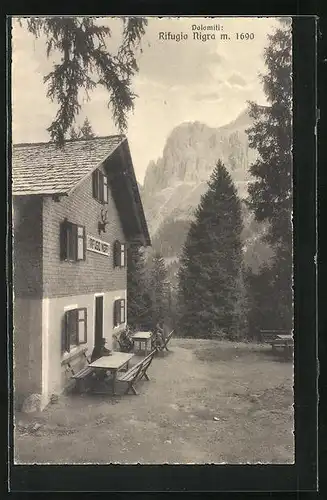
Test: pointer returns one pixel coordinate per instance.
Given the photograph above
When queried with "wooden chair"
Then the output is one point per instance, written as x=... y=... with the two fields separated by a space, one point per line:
x=122 y=347
x=164 y=347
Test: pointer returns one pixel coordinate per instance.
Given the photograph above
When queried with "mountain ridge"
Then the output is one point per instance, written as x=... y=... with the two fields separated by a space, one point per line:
x=174 y=183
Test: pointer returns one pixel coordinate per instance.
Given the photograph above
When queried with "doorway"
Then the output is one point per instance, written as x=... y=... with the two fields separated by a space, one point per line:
x=98 y=326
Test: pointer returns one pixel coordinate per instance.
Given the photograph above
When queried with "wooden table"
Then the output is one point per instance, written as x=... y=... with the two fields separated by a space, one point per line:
x=142 y=337
x=113 y=363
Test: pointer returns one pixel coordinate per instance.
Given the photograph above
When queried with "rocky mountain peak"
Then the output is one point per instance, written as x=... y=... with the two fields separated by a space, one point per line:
x=192 y=150
x=173 y=185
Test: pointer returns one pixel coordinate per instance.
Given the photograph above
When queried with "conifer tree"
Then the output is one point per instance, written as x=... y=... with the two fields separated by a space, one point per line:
x=158 y=276
x=83 y=132
x=211 y=262
x=86 y=131
x=86 y=63
x=139 y=308
x=270 y=194
x=73 y=134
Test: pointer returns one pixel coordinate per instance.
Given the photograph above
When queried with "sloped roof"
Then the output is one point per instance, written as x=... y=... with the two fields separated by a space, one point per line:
x=43 y=168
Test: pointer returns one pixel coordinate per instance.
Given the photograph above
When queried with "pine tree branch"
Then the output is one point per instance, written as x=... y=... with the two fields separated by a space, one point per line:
x=82 y=45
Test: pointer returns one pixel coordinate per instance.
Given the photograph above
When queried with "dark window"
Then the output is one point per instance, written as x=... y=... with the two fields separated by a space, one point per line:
x=119 y=312
x=119 y=254
x=74 y=328
x=100 y=186
x=72 y=241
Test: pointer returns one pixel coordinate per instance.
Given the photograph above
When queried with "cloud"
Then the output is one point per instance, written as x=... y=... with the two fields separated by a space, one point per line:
x=181 y=81
x=215 y=58
x=171 y=63
x=237 y=80
x=207 y=96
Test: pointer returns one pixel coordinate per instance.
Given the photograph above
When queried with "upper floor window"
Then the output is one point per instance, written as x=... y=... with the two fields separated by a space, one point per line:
x=100 y=186
x=119 y=254
x=74 y=330
x=72 y=241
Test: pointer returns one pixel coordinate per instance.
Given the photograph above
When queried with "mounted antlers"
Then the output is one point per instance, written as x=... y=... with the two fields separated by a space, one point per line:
x=104 y=221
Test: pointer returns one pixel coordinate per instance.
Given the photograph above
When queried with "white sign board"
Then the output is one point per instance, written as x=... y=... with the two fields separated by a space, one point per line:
x=96 y=245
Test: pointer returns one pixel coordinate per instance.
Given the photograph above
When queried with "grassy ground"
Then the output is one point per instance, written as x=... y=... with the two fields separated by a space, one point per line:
x=206 y=402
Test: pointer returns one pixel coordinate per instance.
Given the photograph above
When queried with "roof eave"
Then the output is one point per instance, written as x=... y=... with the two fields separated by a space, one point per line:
x=97 y=165
x=40 y=193
x=143 y=222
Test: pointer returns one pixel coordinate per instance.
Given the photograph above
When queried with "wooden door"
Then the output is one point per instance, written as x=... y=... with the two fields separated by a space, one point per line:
x=98 y=327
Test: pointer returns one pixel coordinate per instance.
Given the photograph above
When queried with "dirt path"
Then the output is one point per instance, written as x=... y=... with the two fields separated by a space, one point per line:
x=206 y=402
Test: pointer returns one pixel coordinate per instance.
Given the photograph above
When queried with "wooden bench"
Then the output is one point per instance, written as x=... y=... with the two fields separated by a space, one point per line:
x=286 y=345
x=268 y=336
x=136 y=372
x=278 y=339
x=81 y=375
x=166 y=341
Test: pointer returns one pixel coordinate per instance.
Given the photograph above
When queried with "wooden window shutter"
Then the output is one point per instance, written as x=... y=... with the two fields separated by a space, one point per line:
x=105 y=189
x=115 y=313
x=65 y=344
x=101 y=189
x=84 y=247
x=63 y=241
x=122 y=311
x=82 y=325
x=74 y=241
x=123 y=255
x=81 y=243
x=116 y=254
x=73 y=327
x=95 y=184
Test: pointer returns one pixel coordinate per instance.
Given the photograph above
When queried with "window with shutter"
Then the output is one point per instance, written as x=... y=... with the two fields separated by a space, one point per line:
x=100 y=186
x=119 y=254
x=72 y=241
x=74 y=330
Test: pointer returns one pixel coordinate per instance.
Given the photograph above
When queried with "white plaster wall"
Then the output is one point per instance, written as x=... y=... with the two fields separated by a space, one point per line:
x=56 y=307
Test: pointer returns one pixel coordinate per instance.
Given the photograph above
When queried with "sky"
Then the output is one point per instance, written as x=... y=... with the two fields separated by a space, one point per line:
x=178 y=81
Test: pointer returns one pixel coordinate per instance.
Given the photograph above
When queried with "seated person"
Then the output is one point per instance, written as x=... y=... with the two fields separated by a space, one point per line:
x=99 y=351
x=158 y=339
x=125 y=341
